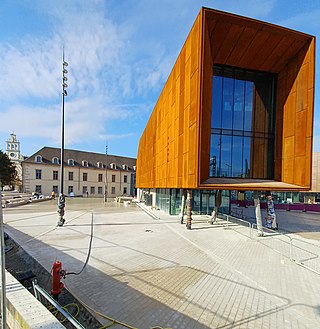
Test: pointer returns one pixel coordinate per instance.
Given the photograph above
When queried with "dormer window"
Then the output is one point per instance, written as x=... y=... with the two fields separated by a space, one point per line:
x=99 y=164
x=70 y=162
x=113 y=166
x=124 y=167
x=38 y=159
x=85 y=163
x=55 y=160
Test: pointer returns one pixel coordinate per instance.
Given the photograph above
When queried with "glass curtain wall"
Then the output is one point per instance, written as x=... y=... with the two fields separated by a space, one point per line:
x=169 y=200
x=242 y=123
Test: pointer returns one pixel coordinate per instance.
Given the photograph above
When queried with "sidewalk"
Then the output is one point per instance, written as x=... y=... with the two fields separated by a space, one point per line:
x=147 y=272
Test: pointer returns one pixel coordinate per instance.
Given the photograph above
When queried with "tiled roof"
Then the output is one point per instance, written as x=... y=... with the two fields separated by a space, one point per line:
x=48 y=153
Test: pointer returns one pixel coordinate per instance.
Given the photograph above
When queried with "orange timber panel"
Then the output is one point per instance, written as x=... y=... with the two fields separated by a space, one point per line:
x=298 y=117
x=250 y=55
x=244 y=40
x=277 y=53
x=179 y=100
x=229 y=43
x=206 y=105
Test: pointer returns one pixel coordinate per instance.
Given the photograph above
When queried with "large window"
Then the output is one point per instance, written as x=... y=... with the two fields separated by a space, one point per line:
x=70 y=175
x=38 y=173
x=242 y=124
x=55 y=175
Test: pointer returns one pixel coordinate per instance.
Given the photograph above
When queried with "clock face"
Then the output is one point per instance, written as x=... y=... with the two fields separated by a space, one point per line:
x=12 y=155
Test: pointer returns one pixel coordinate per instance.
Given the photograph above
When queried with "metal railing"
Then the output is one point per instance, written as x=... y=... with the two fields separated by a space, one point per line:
x=39 y=292
x=145 y=209
x=300 y=251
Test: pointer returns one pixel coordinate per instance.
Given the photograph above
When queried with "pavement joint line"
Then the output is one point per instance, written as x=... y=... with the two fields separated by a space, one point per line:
x=26 y=218
x=53 y=229
x=216 y=258
x=233 y=270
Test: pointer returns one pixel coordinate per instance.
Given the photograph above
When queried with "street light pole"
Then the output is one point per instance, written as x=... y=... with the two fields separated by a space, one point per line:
x=3 y=269
x=106 y=178
x=61 y=199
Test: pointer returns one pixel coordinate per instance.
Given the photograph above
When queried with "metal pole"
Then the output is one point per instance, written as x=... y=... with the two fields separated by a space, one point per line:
x=61 y=199
x=258 y=213
x=3 y=270
x=106 y=179
x=183 y=205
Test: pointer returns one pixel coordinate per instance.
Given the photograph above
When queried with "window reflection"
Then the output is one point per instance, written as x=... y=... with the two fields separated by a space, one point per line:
x=242 y=124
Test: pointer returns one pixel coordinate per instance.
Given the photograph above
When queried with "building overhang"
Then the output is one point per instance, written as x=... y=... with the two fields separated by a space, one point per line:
x=249 y=185
x=252 y=44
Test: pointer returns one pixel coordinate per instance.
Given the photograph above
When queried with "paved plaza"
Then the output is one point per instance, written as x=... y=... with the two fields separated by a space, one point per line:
x=149 y=272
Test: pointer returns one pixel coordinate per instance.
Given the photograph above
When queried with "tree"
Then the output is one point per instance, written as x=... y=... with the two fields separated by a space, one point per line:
x=7 y=170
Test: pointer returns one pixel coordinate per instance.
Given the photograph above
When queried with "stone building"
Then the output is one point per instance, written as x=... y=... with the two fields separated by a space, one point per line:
x=85 y=173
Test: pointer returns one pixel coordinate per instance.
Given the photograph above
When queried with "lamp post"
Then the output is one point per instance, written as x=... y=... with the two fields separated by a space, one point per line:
x=106 y=178
x=3 y=269
x=228 y=169
x=61 y=199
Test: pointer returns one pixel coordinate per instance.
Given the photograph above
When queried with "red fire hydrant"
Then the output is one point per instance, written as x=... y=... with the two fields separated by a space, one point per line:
x=57 y=274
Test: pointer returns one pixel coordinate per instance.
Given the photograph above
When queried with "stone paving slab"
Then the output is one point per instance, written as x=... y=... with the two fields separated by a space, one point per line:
x=148 y=272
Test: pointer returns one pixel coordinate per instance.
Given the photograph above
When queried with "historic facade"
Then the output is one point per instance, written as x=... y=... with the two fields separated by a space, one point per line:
x=13 y=153
x=85 y=173
x=316 y=172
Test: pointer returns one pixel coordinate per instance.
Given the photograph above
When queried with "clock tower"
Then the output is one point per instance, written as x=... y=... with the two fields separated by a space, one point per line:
x=13 y=153
x=13 y=149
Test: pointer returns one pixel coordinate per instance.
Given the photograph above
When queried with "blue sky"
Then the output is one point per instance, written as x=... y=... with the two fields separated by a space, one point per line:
x=120 y=53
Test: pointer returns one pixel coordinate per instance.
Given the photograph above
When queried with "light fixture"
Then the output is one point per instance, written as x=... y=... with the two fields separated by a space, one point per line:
x=61 y=200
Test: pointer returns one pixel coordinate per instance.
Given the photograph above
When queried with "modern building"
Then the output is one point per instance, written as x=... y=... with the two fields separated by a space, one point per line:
x=316 y=172
x=85 y=173
x=236 y=113
x=13 y=153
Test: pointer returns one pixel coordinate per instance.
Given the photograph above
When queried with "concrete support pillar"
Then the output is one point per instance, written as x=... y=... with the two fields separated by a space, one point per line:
x=258 y=213
x=189 y=209
x=183 y=206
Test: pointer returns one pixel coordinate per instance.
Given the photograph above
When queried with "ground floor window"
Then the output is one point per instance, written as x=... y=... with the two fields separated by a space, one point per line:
x=203 y=201
x=124 y=190
x=70 y=189
x=113 y=190
x=55 y=189
x=92 y=190
x=99 y=190
x=38 y=189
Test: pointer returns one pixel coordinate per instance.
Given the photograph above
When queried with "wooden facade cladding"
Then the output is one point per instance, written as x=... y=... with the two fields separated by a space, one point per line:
x=169 y=147
x=174 y=149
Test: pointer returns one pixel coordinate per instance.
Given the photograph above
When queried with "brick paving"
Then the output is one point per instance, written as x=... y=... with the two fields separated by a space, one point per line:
x=147 y=272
